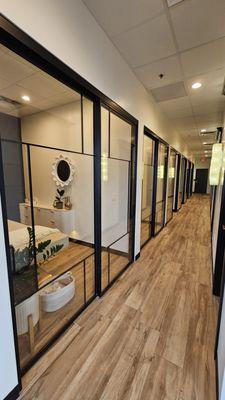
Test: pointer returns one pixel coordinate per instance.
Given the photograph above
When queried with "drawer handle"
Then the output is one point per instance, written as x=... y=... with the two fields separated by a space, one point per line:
x=53 y=222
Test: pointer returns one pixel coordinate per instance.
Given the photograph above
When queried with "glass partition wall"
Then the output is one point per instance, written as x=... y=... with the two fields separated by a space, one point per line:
x=147 y=189
x=161 y=186
x=184 y=180
x=170 y=184
x=117 y=155
x=49 y=158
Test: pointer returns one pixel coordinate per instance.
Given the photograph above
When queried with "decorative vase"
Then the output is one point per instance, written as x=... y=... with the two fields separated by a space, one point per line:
x=68 y=204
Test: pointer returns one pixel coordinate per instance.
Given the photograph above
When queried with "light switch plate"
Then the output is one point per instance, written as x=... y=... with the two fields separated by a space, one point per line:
x=173 y=2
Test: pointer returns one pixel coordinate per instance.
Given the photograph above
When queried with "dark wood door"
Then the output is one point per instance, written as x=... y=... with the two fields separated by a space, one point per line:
x=201 y=180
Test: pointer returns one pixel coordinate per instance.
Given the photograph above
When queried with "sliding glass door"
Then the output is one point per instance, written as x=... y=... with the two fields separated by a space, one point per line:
x=184 y=183
x=117 y=194
x=161 y=186
x=147 y=189
x=170 y=184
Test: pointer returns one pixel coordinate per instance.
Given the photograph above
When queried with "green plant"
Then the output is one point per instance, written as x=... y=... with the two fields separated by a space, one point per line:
x=60 y=194
x=25 y=257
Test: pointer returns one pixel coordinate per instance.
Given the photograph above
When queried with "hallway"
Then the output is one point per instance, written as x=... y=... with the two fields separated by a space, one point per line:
x=151 y=336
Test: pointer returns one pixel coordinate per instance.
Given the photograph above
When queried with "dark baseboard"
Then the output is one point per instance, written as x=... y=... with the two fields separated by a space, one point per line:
x=14 y=394
x=137 y=256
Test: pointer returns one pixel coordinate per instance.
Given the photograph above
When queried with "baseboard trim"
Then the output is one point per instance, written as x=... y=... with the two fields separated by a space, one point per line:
x=137 y=256
x=14 y=394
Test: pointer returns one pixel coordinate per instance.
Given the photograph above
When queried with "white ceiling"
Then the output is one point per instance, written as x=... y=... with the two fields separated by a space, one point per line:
x=185 y=42
x=18 y=78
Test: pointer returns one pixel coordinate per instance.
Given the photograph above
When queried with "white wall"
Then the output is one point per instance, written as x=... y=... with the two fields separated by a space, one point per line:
x=8 y=371
x=69 y=31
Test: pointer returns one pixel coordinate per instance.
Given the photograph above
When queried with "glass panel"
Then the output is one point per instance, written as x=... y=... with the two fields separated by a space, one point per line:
x=170 y=184
x=120 y=138
x=161 y=181
x=88 y=125
x=58 y=125
x=181 y=178
x=147 y=189
x=116 y=177
x=21 y=237
x=50 y=200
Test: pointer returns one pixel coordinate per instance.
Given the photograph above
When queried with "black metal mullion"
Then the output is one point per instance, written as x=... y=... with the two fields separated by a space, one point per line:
x=85 y=290
x=109 y=135
x=154 y=194
x=82 y=123
x=32 y=210
x=97 y=196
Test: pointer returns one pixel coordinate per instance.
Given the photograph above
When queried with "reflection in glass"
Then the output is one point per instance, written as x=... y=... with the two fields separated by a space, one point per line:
x=116 y=178
x=147 y=188
x=161 y=182
x=170 y=184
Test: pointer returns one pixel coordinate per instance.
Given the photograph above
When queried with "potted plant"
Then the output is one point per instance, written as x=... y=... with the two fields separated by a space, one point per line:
x=58 y=203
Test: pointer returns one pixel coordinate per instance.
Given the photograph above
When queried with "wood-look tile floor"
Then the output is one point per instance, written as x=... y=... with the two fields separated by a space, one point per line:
x=151 y=336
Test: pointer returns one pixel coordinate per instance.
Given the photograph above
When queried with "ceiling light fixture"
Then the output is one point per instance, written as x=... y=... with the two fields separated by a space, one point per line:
x=25 y=98
x=196 y=85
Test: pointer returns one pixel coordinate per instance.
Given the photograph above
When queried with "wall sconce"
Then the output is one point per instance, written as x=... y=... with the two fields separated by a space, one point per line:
x=171 y=172
x=216 y=165
x=160 y=173
x=104 y=167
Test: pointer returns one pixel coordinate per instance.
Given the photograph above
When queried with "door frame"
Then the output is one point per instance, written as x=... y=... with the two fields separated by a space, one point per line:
x=150 y=135
x=22 y=44
x=202 y=169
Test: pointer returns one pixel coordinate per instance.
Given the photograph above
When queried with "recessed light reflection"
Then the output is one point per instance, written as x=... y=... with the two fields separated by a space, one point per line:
x=25 y=98
x=196 y=85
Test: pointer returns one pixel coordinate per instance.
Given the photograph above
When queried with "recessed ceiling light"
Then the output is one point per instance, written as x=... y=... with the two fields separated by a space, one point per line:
x=203 y=130
x=196 y=85
x=25 y=98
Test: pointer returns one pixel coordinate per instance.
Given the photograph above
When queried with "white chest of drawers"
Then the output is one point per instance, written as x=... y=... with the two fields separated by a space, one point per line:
x=64 y=220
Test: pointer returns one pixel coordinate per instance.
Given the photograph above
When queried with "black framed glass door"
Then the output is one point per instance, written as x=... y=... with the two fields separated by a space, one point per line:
x=161 y=186
x=118 y=147
x=147 y=189
x=184 y=179
x=170 y=184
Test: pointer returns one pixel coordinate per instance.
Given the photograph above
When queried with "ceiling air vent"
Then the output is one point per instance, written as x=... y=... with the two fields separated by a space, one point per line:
x=6 y=100
x=173 y=2
x=169 y=92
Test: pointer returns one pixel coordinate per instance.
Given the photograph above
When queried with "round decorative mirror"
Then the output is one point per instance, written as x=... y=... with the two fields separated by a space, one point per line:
x=62 y=171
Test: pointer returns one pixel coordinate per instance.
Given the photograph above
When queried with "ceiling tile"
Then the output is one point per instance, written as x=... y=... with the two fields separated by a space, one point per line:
x=118 y=16
x=212 y=82
x=198 y=21
x=204 y=58
x=177 y=108
x=13 y=70
x=147 y=43
x=43 y=85
x=169 y=67
x=15 y=92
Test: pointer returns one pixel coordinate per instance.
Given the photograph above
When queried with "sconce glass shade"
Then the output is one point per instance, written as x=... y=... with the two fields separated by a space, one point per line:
x=216 y=164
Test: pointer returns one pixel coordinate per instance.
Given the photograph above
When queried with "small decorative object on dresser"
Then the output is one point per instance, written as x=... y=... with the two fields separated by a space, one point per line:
x=58 y=203
x=67 y=203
